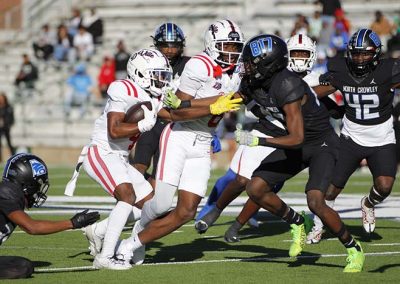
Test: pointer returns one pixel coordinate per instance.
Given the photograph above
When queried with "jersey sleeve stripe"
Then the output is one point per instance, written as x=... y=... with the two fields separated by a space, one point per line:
x=135 y=93
x=127 y=87
x=163 y=149
x=104 y=166
x=205 y=62
x=97 y=172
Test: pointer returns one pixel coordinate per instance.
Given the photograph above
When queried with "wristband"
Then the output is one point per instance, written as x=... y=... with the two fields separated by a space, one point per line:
x=185 y=104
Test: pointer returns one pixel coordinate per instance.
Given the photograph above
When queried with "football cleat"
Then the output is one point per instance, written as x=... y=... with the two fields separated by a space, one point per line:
x=299 y=233
x=231 y=236
x=355 y=260
x=110 y=263
x=201 y=226
x=315 y=235
x=207 y=220
x=139 y=255
x=95 y=241
x=368 y=216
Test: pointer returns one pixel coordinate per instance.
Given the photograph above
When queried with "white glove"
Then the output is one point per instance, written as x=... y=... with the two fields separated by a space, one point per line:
x=246 y=138
x=150 y=118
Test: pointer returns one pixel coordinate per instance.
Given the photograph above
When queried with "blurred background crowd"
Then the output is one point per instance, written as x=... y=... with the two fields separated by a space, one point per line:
x=59 y=57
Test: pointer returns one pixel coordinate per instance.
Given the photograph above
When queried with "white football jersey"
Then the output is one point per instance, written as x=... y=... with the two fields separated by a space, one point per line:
x=203 y=78
x=122 y=94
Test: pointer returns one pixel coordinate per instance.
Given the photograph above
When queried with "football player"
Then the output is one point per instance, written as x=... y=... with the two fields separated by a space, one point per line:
x=106 y=159
x=170 y=41
x=185 y=146
x=366 y=82
x=303 y=137
x=24 y=185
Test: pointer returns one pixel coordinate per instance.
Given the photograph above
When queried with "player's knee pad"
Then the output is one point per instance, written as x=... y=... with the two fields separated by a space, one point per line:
x=163 y=198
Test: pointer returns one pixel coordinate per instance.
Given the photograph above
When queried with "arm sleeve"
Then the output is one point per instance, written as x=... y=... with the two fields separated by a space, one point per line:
x=193 y=76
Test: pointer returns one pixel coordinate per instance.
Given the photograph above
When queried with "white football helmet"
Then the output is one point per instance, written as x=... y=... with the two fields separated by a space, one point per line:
x=218 y=41
x=302 y=43
x=150 y=69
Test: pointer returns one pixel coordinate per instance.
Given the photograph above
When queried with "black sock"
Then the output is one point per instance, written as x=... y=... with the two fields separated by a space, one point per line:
x=352 y=244
x=292 y=217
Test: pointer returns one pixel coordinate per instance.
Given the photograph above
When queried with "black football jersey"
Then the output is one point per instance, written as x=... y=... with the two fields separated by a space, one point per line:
x=179 y=65
x=287 y=87
x=11 y=199
x=368 y=100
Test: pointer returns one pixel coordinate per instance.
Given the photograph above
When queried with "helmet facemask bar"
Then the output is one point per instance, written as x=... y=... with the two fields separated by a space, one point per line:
x=226 y=55
x=301 y=64
x=159 y=80
x=36 y=197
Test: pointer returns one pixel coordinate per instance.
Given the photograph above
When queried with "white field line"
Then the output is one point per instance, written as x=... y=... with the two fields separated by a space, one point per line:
x=260 y=259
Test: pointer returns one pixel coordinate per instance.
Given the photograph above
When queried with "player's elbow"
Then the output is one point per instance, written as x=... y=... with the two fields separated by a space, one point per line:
x=298 y=141
x=31 y=229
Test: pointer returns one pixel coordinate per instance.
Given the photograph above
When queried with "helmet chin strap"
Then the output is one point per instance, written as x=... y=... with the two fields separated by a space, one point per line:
x=218 y=70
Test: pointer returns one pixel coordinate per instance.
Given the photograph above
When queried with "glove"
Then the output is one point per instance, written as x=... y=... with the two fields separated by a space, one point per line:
x=225 y=104
x=246 y=138
x=150 y=118
x=216 y=144
x=171 y=100
x=325 y=79
x=83 y=219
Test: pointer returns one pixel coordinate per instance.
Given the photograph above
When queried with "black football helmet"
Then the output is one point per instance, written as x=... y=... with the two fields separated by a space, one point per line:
x=29 y=172
x=363 y=52
x=169 y=35
x=262 y=57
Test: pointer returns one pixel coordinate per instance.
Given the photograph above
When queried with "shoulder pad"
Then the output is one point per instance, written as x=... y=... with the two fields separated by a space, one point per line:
x=121 y=89
x=200 y=66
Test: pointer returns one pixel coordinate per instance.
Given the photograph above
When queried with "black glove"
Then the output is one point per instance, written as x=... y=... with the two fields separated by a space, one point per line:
x=83 y=219
x=325 y=79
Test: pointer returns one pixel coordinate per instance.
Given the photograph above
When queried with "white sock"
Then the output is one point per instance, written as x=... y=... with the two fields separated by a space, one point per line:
x=116 y=223
x=100 y=228
x=132 y=243
x=148 y=214
x=134 y=215
x=159 y=204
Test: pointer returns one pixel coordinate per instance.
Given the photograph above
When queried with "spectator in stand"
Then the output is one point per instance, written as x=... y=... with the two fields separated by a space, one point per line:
x=320 y=66
x=83 y=43
x=94 y=25
x=339 y=40
x=106 y=75
x=383 y=27
x=6 y=121
x=121 y=58
x=315 y=26
x=43 y=47
x=393 y=46
x=26 y=78
x=80 y=84
x=328 y=13
x=64 y=44
x=340 y=18
x=301 y=25
x=74 y=22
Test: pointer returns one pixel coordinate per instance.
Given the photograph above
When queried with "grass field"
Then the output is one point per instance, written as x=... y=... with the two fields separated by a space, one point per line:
x=186 y=257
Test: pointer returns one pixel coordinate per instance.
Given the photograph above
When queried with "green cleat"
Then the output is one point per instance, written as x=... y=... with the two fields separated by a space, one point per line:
x=355 y=260
x=299 y=235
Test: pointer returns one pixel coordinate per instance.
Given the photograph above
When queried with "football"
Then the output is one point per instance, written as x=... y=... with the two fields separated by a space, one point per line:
x=135 y=113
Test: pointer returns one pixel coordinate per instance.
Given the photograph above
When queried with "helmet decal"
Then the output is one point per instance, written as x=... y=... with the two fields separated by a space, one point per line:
x=38 y=169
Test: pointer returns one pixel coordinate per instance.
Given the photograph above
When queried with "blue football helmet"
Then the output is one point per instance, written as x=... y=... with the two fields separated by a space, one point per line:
x=31 y=174
x=169 y=35
x=363 y=52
